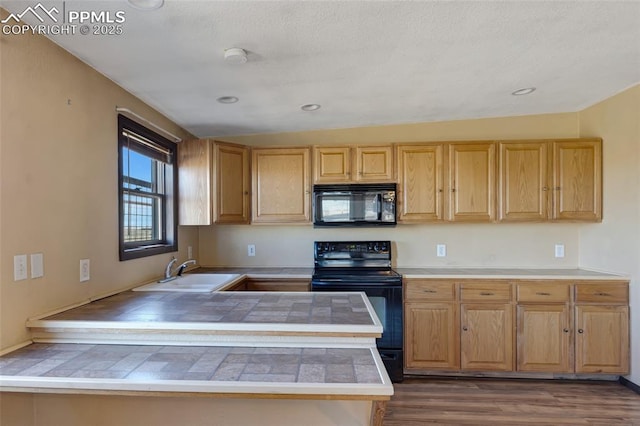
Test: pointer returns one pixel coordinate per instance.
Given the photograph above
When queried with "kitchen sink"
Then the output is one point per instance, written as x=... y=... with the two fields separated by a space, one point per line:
x=192 y=283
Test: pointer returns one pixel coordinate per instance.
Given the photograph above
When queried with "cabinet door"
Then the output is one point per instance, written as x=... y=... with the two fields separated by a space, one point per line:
x=281 y=191
x=577 y=184
x=332 y=164
x=543 y=338
x=420 y=179
x=602 y=339
x=523 y=189
x=374 y=163
x=194 y=182
x=432 y=336
x=231 y=184
x=487 y=337
x=472 y=182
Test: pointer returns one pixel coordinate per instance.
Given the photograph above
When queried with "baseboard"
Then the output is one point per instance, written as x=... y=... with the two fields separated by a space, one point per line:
x=630 y=385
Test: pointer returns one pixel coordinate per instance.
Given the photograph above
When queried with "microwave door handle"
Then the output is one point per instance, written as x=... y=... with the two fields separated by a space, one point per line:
x=379 y=206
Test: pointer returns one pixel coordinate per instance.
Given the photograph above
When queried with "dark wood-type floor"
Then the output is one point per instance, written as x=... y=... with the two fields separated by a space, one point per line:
x=431 y=401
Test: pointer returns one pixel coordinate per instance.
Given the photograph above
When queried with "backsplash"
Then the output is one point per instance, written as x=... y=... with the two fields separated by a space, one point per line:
x=467 y=245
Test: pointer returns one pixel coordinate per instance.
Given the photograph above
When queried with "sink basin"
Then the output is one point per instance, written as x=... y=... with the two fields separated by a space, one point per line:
x=192 y=283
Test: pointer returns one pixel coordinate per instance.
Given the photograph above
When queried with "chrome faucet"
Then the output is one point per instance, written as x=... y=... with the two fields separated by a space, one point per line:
x=184 y=265
x=169 y=269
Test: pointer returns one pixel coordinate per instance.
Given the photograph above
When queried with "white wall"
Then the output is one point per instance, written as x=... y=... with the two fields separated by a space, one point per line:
x=615 y=244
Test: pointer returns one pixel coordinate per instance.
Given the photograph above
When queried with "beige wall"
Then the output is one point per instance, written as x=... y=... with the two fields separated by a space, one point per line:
x=615 y=244
x=482 y=245
x=530 y=127
x=58 y=168
x=96 y=410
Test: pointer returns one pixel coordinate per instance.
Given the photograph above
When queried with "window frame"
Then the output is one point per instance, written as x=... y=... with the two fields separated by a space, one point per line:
x=169 y=232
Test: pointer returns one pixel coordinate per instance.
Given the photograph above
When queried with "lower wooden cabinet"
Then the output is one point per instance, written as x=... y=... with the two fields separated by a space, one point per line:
x=527 y=327
x=544 y=338
x=486 y=342
x=432 y=331
x=602 y=339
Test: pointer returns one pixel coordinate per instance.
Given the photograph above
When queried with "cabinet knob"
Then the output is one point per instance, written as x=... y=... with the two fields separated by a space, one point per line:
x=486 y=293
x=543 y=293
x=453 y=190
x=545 y=188
x=566 y=330
x=465 y=329
x=557 y=188
x=580 y=331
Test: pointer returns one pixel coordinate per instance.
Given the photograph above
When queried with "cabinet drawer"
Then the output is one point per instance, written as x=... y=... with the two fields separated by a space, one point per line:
x=543 y=292
x=429 y=290
x=602 y=292
x=489 y=291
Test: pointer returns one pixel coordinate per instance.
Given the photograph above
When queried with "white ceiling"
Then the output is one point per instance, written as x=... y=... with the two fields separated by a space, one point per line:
x=366 y=62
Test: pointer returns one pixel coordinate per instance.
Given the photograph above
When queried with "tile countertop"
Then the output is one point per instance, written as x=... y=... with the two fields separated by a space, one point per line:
x=272 y=312
x=86 y=368
x=508 y=273
x=514 y=273
x=252 y=343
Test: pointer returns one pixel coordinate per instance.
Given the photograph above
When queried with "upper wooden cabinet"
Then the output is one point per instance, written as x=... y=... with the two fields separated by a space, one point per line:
x=332 y=164
x=471 y=181
x=232 y=183
x=550 y=180
x=340 y=164
x=446 y=181
x=420 y=183
x=577 y=180
x=281 y=185
x=213 y=179
x=523 y=181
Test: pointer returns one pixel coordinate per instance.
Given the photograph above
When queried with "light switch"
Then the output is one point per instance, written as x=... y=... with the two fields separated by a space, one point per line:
x=37 y=265
x=559 y=250
x=441 y=250
x=251 y=250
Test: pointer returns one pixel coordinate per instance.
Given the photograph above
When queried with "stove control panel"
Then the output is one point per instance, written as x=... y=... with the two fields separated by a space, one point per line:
x=352 y=250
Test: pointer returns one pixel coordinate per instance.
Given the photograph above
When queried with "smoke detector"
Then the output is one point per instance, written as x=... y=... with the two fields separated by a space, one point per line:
x=235 y=55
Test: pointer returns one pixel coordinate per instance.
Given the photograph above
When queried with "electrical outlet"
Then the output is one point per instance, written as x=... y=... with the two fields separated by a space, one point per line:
x=251 y=250
x=85 y=270
x=20 y=267
x=37 y=265
x=441 y=250
x=559 y=250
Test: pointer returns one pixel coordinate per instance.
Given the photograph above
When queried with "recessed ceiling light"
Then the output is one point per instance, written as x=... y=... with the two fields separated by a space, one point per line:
x=524 y=91
x=146 y=4
x=227 y=99
x=310 y=107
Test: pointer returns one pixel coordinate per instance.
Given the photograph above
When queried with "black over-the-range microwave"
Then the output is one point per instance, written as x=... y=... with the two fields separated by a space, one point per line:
x=354 y=205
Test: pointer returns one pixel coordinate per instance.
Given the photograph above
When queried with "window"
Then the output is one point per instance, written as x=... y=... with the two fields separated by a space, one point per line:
x=147 y=182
